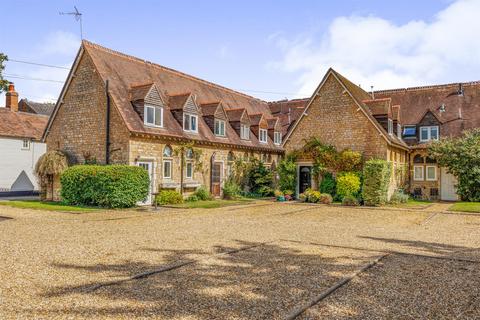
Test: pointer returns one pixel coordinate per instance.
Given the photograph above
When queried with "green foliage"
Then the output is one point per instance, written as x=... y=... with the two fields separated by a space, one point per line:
x=260 y=179
x=312 y=195
x=302 y=197
x=231 y=190
x=376 y=175
x=114 y=186
x=168 y=197
x=287 y=170
x=192 y=198
x=288 y=192
x=328 y=184
x=461 y=156
x=348 y=184
x=278 y=193
x=399 y=197
x=350 y=200
x=349 y=161
x=325 y=198
x=3 y=82
x=202 y=193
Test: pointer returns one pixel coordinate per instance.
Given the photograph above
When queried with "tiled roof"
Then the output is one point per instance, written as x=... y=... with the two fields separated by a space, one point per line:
x=140 y=91
x=22 y=124
x=44 y=108
x=208 y=109
x=288 y=111
x=176 y=102
x=235 y=114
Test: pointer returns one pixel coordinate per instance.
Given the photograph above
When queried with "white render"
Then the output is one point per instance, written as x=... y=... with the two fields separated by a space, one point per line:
x=15 y=159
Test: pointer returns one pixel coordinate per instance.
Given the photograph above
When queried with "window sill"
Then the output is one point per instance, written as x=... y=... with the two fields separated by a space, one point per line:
x=152 y=125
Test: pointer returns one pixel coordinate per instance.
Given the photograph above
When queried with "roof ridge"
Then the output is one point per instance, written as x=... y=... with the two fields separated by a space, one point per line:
x=185 y=75
x=289 y=100
x=432 y=86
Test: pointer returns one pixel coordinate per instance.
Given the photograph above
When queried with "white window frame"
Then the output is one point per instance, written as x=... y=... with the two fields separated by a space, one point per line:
x=170 y=171
x=190 y=117
x=244 y=132
x=219 y=124
x=399 y=131
x=26 y=144
x=435 y=173
x=390 y=126
x=187 y=164
x=422 y=175
x=262 y=135
x=153 y=124
x=277 y=137
x=429 y=133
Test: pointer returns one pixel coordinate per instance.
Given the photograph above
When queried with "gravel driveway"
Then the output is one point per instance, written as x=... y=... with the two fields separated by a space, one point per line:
x=260 y=261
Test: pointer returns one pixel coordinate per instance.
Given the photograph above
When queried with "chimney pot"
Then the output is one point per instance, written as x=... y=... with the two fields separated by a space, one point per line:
x=11 y=98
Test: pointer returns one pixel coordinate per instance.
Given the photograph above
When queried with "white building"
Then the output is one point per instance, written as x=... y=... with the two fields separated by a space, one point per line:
x=20 y=146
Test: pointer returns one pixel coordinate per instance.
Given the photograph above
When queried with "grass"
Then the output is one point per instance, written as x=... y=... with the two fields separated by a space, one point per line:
x=46 y=205
x=411 y=204
x=465 y=207
x=210 y=204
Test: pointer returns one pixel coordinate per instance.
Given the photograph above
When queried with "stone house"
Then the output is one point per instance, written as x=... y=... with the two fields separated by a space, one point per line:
x=118 y=109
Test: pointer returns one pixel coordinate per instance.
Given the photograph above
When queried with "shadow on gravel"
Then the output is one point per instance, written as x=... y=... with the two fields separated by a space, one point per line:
x=265 y=282
x=4 y=218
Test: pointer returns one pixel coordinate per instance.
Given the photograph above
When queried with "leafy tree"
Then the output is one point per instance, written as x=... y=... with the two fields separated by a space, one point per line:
x=461 y=156
x=260 y=179
x=287 y=170
x=3 y=82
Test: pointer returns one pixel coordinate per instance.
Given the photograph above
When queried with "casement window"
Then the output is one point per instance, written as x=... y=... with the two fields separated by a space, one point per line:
x=277 y=137
x=244 y=132
x=262 y=135
x=190 y=122
x=409 y=131
x=167 y=169
x=428 y=133
x=418 y=173
x=153 y=116
x=219 y=128
x=189 y=170
x=390 y=126
x=431 y=173
x=26 y=144
x=399 y=131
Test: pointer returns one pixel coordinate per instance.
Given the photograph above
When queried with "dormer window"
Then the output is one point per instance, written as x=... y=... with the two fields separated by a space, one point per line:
x=277 y=138
x=219 y=128
x=262 y=135
x=428 y=133
x=390 y=126
x=190 y=122
x=153 y=116
x=409 y=131
x=244 y=132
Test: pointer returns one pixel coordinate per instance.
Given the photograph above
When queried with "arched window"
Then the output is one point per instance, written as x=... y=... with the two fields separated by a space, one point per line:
x=230 y=157
x=430 y=160
x=418 y=159
x=167 y=151
x=189 y=153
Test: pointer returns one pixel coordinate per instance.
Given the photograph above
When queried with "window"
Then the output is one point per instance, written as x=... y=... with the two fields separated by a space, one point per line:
x=219 y=127
x=390 y=126
x=428 y=133
x=244 y=132
x=399 y=131
x=431 y=173
x=418 y=173
x=167 y=151
x=153 y=116
x=189 y=153
x=189 y=170
x=409 y=131
x=277 y=137
x=26 y=144
x=167 y=169
x=190 y=122
x=262 y=136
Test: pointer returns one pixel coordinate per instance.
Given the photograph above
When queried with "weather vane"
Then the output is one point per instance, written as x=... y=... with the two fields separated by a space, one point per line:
x=78 y=17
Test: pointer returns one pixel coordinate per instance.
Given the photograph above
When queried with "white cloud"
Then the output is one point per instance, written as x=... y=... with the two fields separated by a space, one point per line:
x=370 y=50
x=60 y=43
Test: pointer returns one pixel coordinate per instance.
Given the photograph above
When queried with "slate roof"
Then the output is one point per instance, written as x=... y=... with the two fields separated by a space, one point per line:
x=22 y=124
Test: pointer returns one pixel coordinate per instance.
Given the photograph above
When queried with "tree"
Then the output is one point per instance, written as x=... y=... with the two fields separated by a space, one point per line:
x=3 y=82
x=461 y=157
x=287 y=171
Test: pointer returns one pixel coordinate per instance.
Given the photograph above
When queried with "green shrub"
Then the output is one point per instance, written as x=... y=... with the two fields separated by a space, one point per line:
x=231 y=190
x=202 y=193
x=325 y=198
x=192 y=198
x=302 y=197
x=349 y=160
x=169 y=197
x=328 y=184
x=113 y=186
x=278 y=193
x=348 y=184
x=260 y=179
x=288 y=192
x=312 y=196
x=350 y=200
x=287 y=172
x=376 y=180
x=399 y=197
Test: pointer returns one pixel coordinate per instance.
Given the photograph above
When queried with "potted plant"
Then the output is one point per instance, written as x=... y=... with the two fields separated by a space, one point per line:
x=279 y=195
x=288 y=195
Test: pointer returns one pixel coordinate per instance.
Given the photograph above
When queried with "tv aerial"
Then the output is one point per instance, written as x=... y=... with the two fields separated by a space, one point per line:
x=78 y=17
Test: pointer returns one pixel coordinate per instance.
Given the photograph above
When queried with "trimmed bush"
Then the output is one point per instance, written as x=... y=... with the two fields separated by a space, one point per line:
x=350 y=201
x=113 y=186
x=376 y=179
x=231 y=190
x=399 y=197
x=202 y=193
x=302 y=197
x=192 y=198
x=312 y=195
x=169 y=197
x=287 y=172
x=348 y=184
x=328 y=184
x=325 y=198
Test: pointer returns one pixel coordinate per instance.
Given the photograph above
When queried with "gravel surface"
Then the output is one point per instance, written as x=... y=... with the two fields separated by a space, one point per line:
x=52 y=260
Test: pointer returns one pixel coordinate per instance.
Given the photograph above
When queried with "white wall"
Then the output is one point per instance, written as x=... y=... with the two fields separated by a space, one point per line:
x=14 y=160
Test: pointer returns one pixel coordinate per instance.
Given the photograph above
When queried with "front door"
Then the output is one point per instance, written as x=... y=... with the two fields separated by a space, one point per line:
x=305 y=179
x=216 y=178
x=448 y=191
x=149 y=167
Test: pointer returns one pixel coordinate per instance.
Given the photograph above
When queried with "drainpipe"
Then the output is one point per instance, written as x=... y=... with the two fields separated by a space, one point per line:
x=107 y=129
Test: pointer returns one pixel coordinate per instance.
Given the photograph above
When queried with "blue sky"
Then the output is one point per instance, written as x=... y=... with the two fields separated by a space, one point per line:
x=277 y=46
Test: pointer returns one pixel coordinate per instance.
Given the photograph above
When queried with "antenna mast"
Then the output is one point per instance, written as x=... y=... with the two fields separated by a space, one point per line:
x=78 y=17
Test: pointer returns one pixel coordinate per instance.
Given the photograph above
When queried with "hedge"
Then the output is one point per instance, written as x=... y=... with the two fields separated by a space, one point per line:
x=112 y=186
x=376 y=181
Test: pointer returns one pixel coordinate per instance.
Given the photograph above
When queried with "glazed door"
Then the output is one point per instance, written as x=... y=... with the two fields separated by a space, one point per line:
x=216 y=178
x=305 y=179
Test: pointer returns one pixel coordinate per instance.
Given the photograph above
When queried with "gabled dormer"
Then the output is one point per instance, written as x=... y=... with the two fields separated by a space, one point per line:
x=240 y=122
x=259 y=127
x=381 y=110
x=148 y=103
x=429 y=127
x=215 y=117
x=185 y=110
x=275 y=130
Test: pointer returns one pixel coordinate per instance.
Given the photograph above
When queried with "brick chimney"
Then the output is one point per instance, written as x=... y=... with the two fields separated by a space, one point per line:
x=11 y=98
